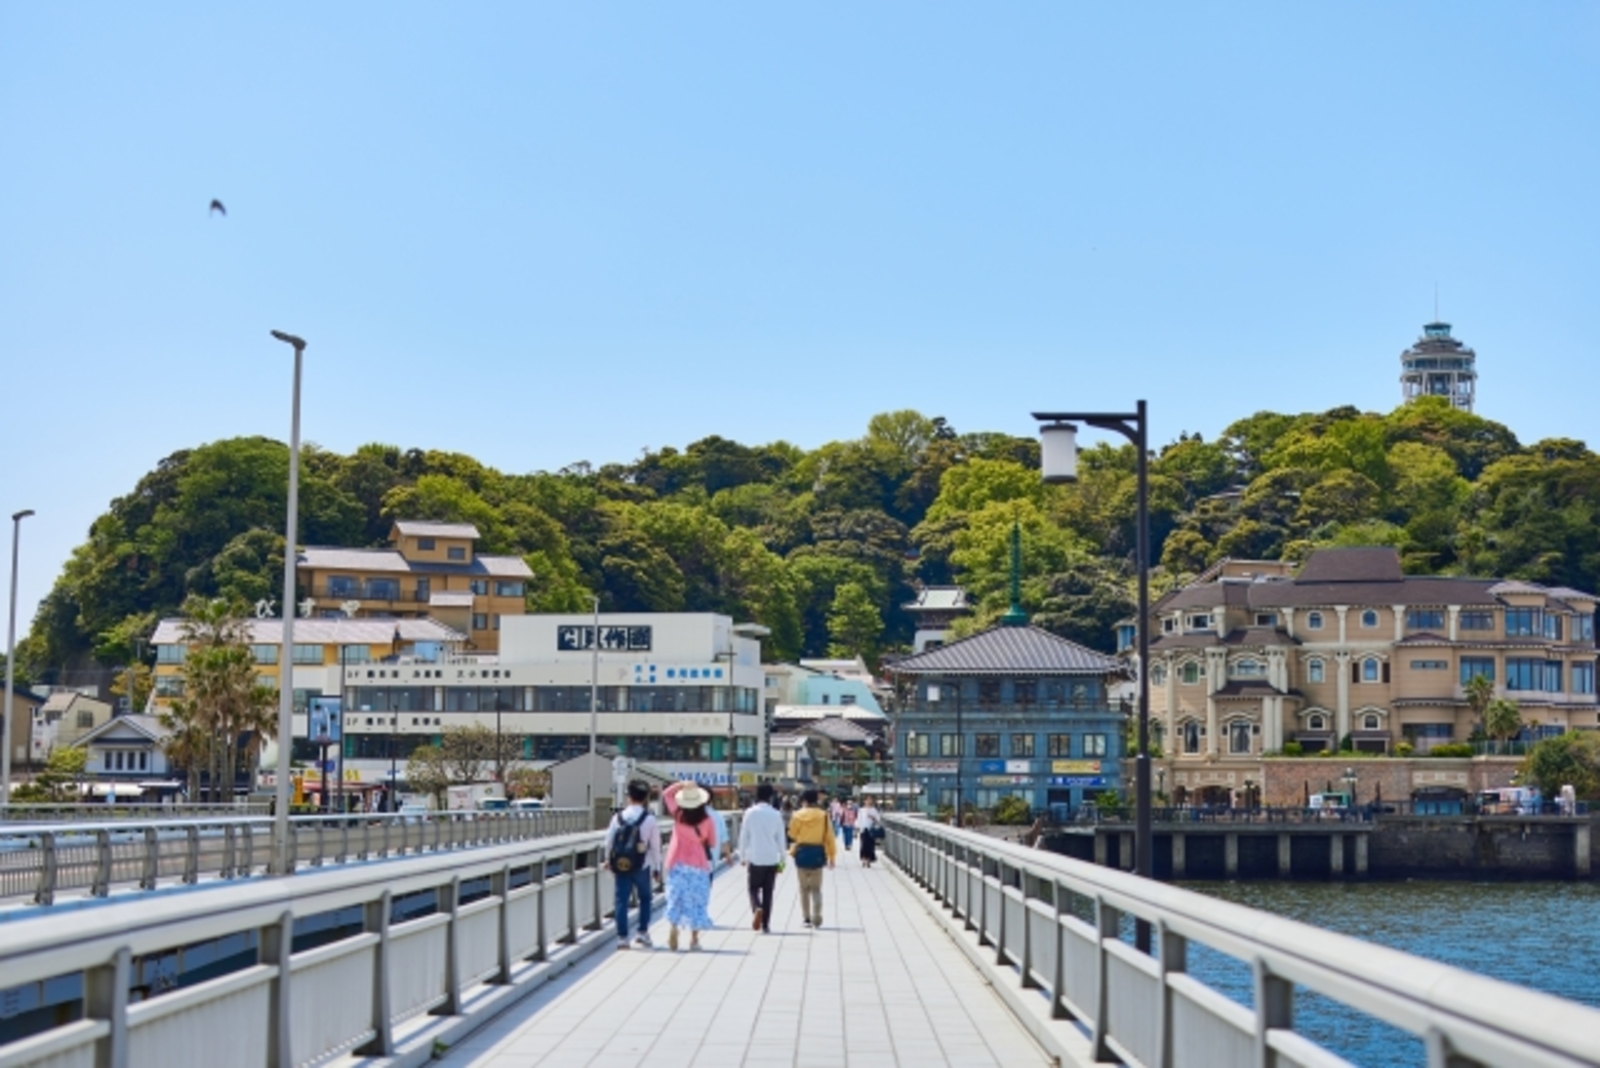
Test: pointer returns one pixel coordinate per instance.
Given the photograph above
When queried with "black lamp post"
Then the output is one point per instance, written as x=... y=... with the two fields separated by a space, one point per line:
x=1059 y=463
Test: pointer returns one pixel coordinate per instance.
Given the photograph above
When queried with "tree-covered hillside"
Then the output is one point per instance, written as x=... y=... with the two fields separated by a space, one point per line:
x=824 y=546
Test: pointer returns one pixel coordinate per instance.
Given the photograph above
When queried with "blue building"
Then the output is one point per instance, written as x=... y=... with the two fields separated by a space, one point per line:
x=1012 y=711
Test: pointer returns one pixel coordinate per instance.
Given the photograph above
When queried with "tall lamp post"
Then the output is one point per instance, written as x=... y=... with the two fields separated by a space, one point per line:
x=594 y=707
x=282 y=859
x=11 y=662
x=1058 y=451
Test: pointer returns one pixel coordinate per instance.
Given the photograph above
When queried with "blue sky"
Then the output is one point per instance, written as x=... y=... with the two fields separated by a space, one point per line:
x=548 y=233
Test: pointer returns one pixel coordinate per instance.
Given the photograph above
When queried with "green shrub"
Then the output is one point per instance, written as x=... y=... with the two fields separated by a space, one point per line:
x=1404 y=749
x=1293 y=749
x=1454 y=749
x=1013 y=811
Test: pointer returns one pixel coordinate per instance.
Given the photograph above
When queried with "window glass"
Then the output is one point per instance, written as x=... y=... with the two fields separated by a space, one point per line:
x=307 y=654
x=343 y=586
x=1583 y=678
x=1094 y=745
x=1266 y=619
x=916 y=745
x=986 y=745
x=1239 y=737
x=1191 y=737
x=171 y=654
x=508 y=589
x=1476 y=621
x=1316 y=723
x=456 y=552
x=1524 y=622
x=1524 y=673
x=1369 y=670
x=1472 y=666
x=264 y=654
x=1314 y=671
x=1200 y=622
x=1425 y=619
x=383 y=589
x=1158 y=674
x=480 y=621
x=1191 y=673
x=1552 y=627
x=425 y=544
x=1248 y=669
x=1430 y=665
x=1369 y=722
x=1022 y=745
x=950 y=745
x=1024 y=692
x=1369 y=619
x=1059 y=745
x=1314 y=621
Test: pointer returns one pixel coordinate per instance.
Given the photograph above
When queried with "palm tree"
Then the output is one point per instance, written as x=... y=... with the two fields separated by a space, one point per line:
x=222 y=697
x=1480 y=694
x=1502 y=720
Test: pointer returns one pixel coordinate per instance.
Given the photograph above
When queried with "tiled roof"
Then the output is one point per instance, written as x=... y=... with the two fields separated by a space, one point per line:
x=324 y=558
x=149 y=726
x=1376 y=563
x=420 y=528
x=1238 y=636
x=328 y=631
x=1010 y=651
x=1247 y=688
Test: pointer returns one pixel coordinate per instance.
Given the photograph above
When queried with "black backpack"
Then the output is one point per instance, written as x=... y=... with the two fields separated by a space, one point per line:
x=628 y=846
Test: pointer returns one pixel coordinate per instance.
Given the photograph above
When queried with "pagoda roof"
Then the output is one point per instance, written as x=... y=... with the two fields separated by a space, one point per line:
x=1025 y=650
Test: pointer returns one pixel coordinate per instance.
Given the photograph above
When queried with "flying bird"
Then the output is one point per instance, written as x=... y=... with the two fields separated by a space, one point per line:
x=216 y=205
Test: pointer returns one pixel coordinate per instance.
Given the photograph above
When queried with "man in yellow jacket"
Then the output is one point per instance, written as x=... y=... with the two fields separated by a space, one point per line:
x=812 y=850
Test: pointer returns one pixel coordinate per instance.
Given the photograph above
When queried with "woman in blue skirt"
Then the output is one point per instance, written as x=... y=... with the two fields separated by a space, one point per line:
x=688 y=863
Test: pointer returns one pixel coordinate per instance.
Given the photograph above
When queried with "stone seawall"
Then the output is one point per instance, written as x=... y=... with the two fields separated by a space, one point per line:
x=1490 y=847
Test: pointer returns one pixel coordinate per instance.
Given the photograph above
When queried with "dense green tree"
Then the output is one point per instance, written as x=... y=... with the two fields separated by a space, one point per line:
x=1570 y=759
x=854 y=623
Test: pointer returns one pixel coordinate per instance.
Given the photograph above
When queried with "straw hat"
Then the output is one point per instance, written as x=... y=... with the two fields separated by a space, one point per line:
x=692 y=796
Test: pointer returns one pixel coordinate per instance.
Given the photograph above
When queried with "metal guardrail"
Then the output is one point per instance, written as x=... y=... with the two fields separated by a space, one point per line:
x=103 y=813
x=395 y=949
x=1088 y=816
x=40 y=861
x=1146 y=1009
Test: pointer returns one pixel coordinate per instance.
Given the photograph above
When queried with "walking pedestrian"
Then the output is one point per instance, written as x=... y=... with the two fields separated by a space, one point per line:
x=761 y=850
x=633 y=851
x=848 y=819
x=869 y=825
x=688 y=863
x=836 y=816
x=813 y=850
x=787 y=813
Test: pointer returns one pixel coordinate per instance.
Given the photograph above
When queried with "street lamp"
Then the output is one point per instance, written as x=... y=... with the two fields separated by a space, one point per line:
x=594 y=709
x=282 y=861
x=1058 y=455
x=1350 y=786
x=11 y=662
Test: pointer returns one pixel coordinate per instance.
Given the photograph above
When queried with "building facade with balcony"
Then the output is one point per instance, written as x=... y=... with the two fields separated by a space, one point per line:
x=431 y=570
x=1010 y=711
x=1351 y=652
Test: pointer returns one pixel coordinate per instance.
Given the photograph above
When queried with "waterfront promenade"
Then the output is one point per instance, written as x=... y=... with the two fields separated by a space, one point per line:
x=877 y=985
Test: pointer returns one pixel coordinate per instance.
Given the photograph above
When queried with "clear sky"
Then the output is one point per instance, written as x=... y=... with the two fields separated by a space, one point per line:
x=558 y=232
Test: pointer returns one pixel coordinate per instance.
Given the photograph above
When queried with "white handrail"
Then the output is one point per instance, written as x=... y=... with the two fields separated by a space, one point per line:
x=1004 y=891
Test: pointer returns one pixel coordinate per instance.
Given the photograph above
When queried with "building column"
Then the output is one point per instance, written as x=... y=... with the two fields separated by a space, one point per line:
x=1230 y=855
x=1582 y=858
x=1100 y=847
x=1455 y=620
x=1288 y=621
x=1180 y=859
x=1211 y=727
x=1399 y=611
x=1341 y=610
x=1216 y=679
x=1336 y=854
x=1285 y=855
x=1172 y=741
x=1361 y=852
x=1342 y=720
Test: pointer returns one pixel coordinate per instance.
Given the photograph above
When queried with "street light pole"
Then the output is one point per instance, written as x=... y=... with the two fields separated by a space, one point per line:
x=1059 y=463
x=282 y=860
x=594 y=707
x=11 y=663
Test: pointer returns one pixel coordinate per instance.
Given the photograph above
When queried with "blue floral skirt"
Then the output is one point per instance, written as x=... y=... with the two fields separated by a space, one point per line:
x=688 y=895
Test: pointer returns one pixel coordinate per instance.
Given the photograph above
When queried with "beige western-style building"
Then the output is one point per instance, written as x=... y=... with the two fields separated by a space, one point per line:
x=432 y=570
x=1351 y=652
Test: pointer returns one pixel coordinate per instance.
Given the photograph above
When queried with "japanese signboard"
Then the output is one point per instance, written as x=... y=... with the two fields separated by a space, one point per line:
x=325 y=726
x=613 y=639
x=1075 y=767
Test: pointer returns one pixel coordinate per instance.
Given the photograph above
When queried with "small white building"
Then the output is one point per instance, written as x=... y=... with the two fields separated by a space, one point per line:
x=126 y=749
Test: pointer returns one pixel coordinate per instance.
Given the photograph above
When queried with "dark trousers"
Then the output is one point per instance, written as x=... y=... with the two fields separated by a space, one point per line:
x=761 y=880
x=638 y=879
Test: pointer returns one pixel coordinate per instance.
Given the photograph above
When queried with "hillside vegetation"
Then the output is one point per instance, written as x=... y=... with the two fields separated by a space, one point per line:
x=824 y=546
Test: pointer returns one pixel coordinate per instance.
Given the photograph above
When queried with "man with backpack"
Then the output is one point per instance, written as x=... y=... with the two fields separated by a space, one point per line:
x=633 y=851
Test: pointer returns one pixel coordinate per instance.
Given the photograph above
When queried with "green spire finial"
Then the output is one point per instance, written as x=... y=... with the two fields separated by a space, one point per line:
x=1015 y=616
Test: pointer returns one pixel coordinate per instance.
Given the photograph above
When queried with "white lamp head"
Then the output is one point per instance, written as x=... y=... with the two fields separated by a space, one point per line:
x=1058 y=452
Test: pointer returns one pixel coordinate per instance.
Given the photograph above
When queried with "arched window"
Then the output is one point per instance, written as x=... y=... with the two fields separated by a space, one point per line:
x=1369 y=619
x=1369 y=722
x=1191 y=673
x=1239 y=736
x=1248 y=669
x=1316 y=723
x=1191 y=737
x=1158 y=674
x=1370 y=669
x=1314 y=671
x=1314 y=621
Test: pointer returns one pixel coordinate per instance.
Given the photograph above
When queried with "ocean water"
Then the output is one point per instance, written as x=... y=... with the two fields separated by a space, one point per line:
x=1543 y=935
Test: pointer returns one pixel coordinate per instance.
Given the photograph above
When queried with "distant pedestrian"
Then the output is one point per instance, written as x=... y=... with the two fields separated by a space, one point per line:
x=848 y=819
x=723 y=848
x=787 y=812
x=688 y=863
x=633 y=851
x=762 y=851
x=869 y=825
x=836 y=816
x=813 y=850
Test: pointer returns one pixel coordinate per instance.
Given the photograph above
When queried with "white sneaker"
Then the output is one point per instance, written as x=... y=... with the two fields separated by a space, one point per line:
x=643 y=942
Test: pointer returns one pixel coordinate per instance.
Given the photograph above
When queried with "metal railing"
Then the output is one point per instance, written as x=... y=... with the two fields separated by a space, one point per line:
x=1030 y=906
x=91 y=812
x=38 y=862
x=1089 y=814
x=366 y=960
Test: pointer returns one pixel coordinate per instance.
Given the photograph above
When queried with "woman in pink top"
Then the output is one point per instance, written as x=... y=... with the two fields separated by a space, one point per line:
x=688 y=864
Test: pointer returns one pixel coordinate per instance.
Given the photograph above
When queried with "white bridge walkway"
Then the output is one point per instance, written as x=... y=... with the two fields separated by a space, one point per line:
x=880 y=984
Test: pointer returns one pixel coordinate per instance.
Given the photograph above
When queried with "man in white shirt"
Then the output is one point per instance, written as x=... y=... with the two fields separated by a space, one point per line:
x=763 y=845
x=631 y=867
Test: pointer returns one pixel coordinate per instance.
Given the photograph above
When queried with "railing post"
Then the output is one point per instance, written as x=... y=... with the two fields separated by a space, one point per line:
x=1028 y=981
x=277 y=947
x=572 y=897
x=1058 y=989
x=1174 y=949
x=597 y=867
x=230 y=845
x=46 y=893
x=451 y=893
x=316 y=861
x=541 y=871
x=1106 y=926
x=1440 y=1053
x=1274 y=1009
x=151 y=869
x=1000 y=923
x=102 y=864
x=105 y=997
x=376 y=921
x=191 y=854
x=500 y=886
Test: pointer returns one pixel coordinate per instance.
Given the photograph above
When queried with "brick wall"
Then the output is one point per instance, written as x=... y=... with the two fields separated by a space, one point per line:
x=1287 y=780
